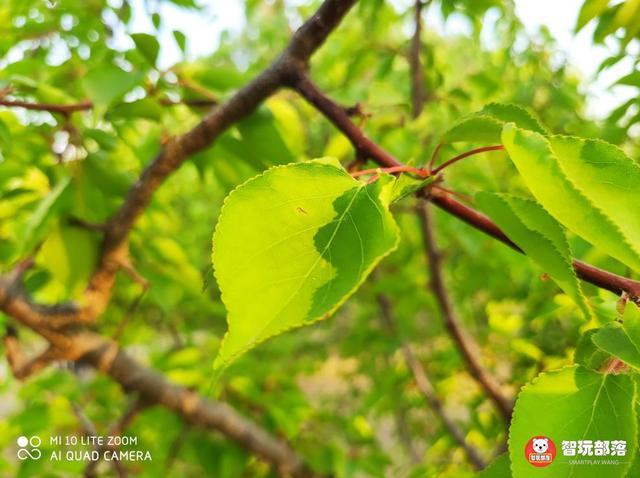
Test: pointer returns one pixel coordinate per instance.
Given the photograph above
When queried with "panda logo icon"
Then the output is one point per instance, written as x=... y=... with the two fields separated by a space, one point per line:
x=540 y=451
x=540 y=445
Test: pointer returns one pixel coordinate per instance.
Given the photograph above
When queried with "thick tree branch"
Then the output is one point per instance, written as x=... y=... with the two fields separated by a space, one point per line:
x=463 y=343
x=153 y=389
x=105 y=355
x=21 y=367
x=426 y=388
x=283 y=71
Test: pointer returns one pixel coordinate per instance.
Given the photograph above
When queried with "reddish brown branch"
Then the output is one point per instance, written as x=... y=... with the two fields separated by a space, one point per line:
x=289 y=66
x=452 y=324
x=394 y=169
x=67 y=109
x=598 y=277
x=335 y=114
x=426 y=388
x=50 y=107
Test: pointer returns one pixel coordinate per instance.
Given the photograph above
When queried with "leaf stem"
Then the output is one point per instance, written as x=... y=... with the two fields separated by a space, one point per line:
x=466 y=154
x=423 y=173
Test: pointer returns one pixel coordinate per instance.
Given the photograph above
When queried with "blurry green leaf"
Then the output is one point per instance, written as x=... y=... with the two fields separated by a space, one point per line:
x=146 y=108
x=572 y=404
x=70 y=255
x=105 y=140
x=181 y=40
x=298 y=240
x=5 y=134
x=545 y=177
x=590 y=9
x=148 y=46
x=538 y=234
x=622 y=340
x=632 y=79
x=42 y=215
x=107 y=84
x=498 y=468
x=262 y=140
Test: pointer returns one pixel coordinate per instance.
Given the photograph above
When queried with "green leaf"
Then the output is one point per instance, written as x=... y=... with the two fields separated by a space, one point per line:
x=607 y=177
x=407 y=184
x=632 y=79
x=146 y=108
x=70 y=254
x=539 y=235
x=485 y=126
x=573 y=404
x=292 y=244
x=43 y=213
x=588 y=354
x=498 y=468
x=181 y=40
x=539 y=166
x=622 y=340
x=108 y=84
x=148 y=46
x=590 y=9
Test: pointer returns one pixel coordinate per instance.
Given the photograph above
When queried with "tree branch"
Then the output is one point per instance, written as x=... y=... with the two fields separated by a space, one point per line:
x=463 y=343
x=598 y=277
x=365 y=146
x=21 y=367
x=283 y=71
x=67 y=109
x=153 y=389
x=426 y=388
x=53 y=323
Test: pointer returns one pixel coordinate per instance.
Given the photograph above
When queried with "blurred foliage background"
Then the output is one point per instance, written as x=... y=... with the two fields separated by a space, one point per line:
x=339 y=391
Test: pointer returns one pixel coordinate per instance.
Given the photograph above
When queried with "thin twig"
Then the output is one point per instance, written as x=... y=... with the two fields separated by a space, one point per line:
x=67 y=109
x=462 y=341
x=418 y=96
x=426 y=388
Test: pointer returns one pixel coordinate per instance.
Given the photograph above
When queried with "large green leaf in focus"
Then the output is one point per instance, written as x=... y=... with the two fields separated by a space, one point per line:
x=539 y=166
x=574 y=403
x=622 y=340
x=292 y=244
x=608 y=177
x=539 y=235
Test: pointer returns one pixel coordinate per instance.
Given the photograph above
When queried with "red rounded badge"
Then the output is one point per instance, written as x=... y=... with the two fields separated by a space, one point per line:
x=540 y=451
